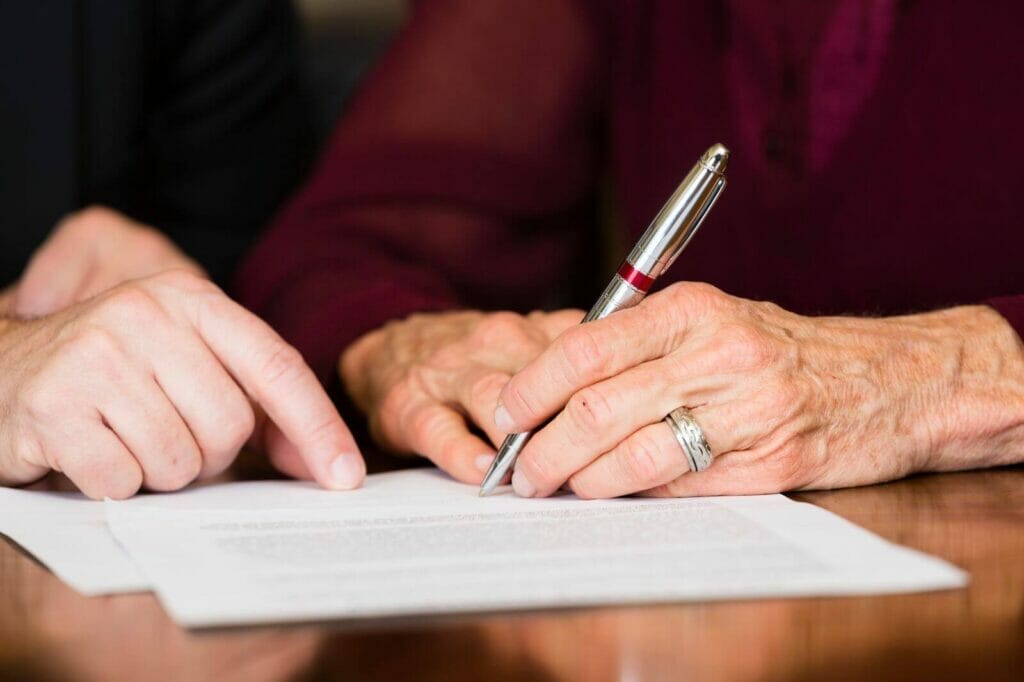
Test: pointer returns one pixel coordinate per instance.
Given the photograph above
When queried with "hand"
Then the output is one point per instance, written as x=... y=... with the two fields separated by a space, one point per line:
x=421 y=379
x=91 y=251
x=152 y=384
x=784 y=401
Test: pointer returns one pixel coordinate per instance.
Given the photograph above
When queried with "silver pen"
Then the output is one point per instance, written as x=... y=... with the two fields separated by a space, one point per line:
x=662 y=242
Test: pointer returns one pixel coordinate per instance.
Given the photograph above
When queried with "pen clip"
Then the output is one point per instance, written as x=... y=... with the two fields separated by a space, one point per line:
x=699 y=220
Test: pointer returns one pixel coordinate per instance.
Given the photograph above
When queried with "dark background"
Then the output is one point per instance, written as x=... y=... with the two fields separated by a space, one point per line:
x=342 y=37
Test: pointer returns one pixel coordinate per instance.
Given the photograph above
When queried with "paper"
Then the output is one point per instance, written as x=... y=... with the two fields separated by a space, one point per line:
x=68 y=533
x=415 y=542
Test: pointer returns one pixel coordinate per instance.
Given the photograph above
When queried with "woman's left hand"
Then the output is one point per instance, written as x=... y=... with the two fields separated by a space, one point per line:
x=784 y=401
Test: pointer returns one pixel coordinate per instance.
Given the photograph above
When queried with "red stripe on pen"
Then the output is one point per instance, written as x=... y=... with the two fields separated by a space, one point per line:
x=635 y=278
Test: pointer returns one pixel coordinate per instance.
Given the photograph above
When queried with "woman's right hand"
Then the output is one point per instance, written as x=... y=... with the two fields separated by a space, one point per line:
x=425 y=382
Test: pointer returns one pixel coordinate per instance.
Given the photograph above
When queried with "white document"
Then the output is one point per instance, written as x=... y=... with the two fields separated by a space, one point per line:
x=415 y=542
x=68 y=533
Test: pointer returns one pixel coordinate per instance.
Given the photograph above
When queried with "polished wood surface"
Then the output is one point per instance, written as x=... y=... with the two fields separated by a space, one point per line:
x=975 y=520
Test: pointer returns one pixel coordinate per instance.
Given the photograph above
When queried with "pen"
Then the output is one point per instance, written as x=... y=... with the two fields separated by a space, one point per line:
x=662 y=242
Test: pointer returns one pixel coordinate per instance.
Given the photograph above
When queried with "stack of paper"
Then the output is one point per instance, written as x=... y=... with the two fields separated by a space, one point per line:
x=416 y=542
x=68 y=533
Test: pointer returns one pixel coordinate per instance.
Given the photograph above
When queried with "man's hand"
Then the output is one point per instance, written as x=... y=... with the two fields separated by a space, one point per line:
x=155 y=383
x=421 y=379
x=88 y=252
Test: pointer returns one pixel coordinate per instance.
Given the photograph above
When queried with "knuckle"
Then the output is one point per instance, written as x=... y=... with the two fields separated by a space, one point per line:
x=282 y=364
x=328 y=431
x=99 y=474
x=232 y=432
x=94 y=347
x=176 y=472
x=448 y=357
x=28 y=448
x=395 y=400
x=582 y=488
x=589 y=410
x=670 y=489
x=185 y=280
x=582 y=355
x=125 y=486
x=424 y=424
x=702 y=292
x=386 y=423
x=483 y=391
x=380 y=434
x=239 y=430
x=521 y=402
x=749 y=347
x=784 y=468
x=687 y=302
x=148 y=241
x=541 y=467
x=389 y=425
x=639 y=459
x=173 y=464
x=694 y=294
x=425 y=378
x=120 y=485
x=130 y=305
x=89 y=220
x=783 y=398
x=39 y=401
x=676 y=292
x=498 y=329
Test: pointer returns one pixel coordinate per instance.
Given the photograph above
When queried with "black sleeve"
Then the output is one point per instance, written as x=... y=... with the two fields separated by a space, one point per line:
x=229 y=132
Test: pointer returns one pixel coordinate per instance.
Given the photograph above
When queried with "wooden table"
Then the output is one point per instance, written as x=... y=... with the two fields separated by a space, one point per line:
x=976 y=520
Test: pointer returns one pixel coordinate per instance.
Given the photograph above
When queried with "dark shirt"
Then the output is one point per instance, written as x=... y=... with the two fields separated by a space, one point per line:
x=184 y=114
x=875 y=170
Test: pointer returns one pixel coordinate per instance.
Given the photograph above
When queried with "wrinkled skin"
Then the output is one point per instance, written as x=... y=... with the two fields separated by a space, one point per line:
x=785 y=401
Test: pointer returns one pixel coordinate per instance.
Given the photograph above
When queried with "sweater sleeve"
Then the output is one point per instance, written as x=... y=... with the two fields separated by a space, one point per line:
x=457 y=178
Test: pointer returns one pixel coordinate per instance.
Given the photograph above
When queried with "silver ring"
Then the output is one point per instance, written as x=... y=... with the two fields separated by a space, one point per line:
x=691 y=438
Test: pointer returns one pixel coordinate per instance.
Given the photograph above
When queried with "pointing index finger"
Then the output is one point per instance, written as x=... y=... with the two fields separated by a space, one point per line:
x=274 y=374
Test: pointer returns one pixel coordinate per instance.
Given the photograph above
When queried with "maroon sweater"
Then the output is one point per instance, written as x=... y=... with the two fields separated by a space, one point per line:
x=875 y=160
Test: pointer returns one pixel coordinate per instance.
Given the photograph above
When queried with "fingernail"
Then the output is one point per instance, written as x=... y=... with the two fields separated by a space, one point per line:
x=347 y=471
x=483 y=462
x=503 y=420
x=521 y=485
